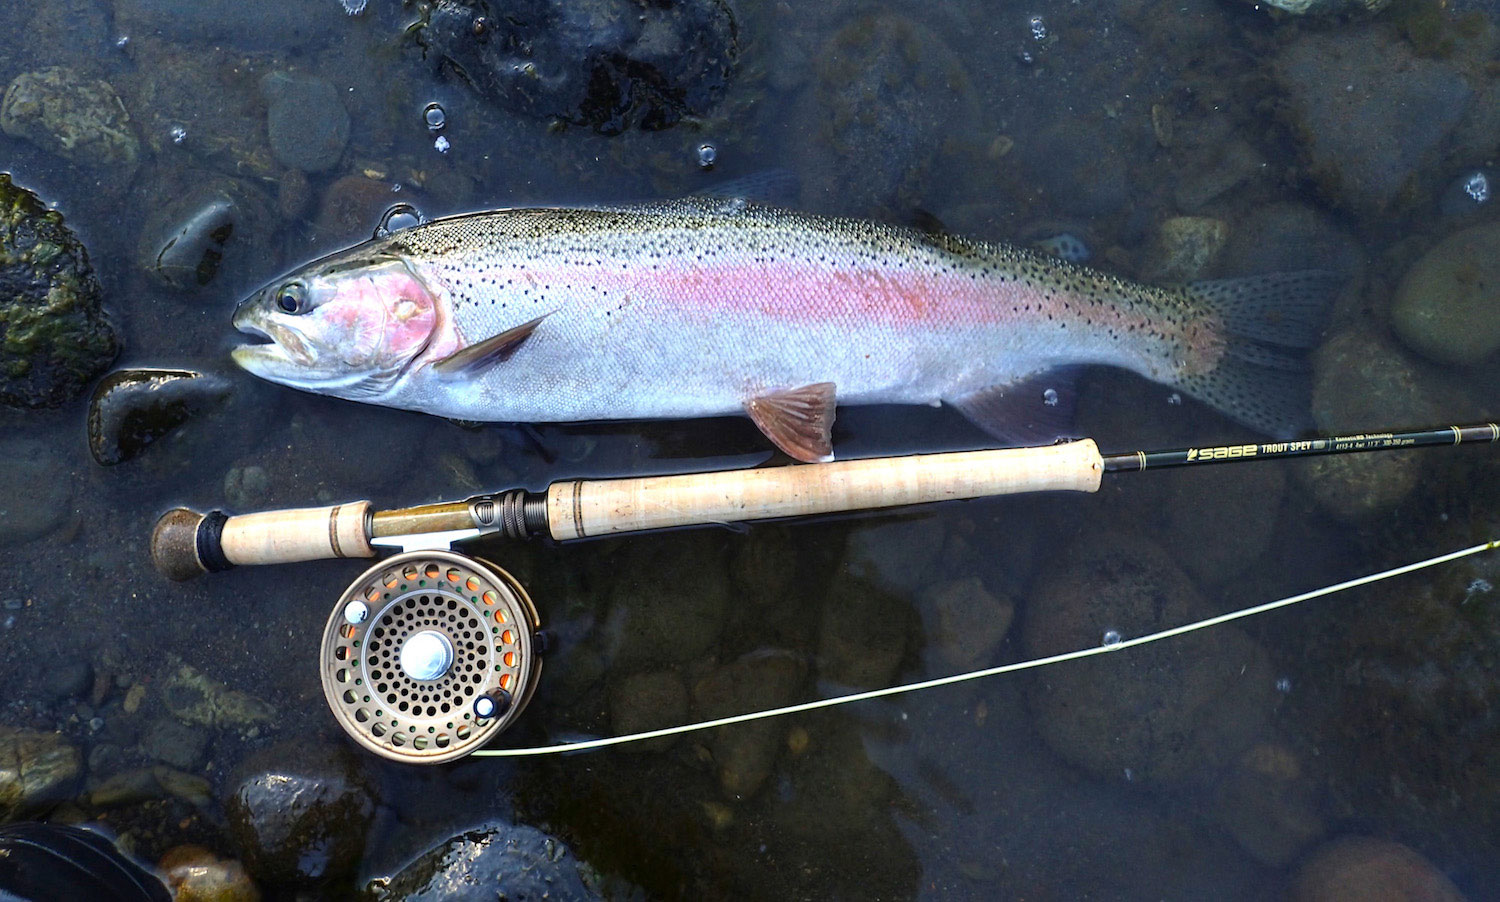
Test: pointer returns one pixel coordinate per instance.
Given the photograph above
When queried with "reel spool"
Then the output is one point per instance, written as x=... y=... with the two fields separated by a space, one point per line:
x=429 y=655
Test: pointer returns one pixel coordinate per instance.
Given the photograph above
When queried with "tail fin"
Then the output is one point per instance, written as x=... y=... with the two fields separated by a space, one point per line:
x=1271 y=322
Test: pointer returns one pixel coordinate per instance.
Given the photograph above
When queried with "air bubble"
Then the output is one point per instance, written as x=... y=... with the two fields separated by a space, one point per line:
x=1049 y=397
x=1477 y=186
x=398 y=217
x=1038 y=28
x=1111 y=638
x=1465 y=194
x=1480 y=586
x=434 y=116
x=708 y=155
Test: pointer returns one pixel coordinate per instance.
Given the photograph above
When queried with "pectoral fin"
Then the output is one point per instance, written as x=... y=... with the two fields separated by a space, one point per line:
x=798 y=420
x=495 y=349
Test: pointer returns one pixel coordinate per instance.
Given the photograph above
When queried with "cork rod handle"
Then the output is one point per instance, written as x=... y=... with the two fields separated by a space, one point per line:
x=186 y=543
x=580 y=508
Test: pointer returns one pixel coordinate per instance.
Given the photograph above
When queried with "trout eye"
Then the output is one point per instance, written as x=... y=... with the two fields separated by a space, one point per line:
x=292 y=298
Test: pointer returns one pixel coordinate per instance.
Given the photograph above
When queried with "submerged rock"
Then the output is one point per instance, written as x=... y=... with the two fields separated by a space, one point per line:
x=175 y=743
x=1164 y=714
x=965 y=624
x=863 y=634
x=647 y=701
x=353 y=206
x=1268 y=805
x=194 y=874
x=1369 y=114
x=54 y=337
x=306 y=120
x=835 y=791
x=246 y=487
x=610 y=65
x=131 y=409
x=1217 y=168
x=130 y=787
x=1175 y=516
x=300 y=813
x=193 y=789
x=37 y=770
x=185 y=244
x=888 y=91
x=669 y=597
x=1361 y=382
x=193 y=698
x=78 y=118
x=37 y=489
x=1286 y=237
x=1372 y=870
x=1448 y=305
x=1185 y=248
x=745 y=753
x=494 y=861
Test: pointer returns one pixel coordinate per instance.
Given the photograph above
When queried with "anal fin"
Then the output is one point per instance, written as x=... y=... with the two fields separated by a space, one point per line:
x=1034 y=410
x=798 y=420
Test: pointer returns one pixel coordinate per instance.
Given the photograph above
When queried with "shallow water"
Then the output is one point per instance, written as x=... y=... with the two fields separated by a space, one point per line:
x=1006 y=120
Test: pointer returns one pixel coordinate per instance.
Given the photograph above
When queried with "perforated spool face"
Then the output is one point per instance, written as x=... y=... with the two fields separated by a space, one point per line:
x=481 y=612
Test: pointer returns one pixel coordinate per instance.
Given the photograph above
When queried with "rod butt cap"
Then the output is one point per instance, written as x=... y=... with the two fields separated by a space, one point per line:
x=174 y=544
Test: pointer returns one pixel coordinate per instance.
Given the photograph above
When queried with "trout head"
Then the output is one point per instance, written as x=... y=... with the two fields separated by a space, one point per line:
x=346 y=326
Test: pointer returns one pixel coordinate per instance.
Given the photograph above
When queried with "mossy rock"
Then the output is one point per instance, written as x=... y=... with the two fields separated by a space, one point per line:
x=54 y=337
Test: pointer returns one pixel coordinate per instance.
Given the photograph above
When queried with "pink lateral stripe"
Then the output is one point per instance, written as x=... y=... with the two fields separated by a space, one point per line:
x=802 y=294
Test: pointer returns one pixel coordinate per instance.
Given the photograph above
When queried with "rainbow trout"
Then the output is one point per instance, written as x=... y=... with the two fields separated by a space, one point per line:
x=708 y=306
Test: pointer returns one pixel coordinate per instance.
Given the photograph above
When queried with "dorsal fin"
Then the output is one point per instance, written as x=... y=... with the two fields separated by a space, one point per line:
x=495 y=349
x=798 y=420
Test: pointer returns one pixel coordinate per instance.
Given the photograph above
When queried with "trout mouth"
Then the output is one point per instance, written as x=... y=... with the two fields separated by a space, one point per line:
x=278 y=348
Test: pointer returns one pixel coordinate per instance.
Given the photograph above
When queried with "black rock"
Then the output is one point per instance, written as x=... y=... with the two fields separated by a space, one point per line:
x=185 y=244
x=503 y=861
x=607 y=64
x=133 y=408
x=50 y=861
x=301 y=813
x=54 y=337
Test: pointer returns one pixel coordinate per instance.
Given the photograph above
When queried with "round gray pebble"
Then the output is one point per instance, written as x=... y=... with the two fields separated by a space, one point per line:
x=306 y=121
x=34 y=491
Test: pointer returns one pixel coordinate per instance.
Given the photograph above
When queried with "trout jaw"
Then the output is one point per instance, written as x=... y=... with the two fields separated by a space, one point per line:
x=281 y=356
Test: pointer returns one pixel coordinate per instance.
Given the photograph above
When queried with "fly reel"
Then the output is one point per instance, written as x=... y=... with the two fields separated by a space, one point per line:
x=429 y=655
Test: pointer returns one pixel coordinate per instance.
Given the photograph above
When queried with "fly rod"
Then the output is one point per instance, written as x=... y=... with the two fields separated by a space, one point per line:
x=430 y=654
x=186 y=543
